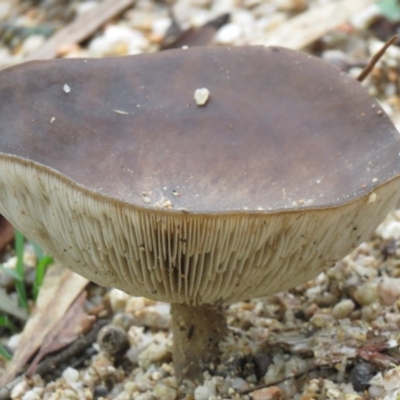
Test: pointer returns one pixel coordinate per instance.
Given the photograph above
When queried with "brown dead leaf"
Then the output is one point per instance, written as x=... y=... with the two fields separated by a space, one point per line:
x=60 y=289
x=75 y=323
x=6 y=232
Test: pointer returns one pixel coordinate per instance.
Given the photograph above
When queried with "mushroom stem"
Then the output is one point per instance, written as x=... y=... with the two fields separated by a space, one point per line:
x=197 y=332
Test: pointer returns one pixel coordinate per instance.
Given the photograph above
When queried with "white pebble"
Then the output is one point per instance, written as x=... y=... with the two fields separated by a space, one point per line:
x=164 y=392
x=19 y=389
x=13 y=341
x=201 y=96
x=160 y=26
x=118 y=300
x=32 y=43
x=156 y=316
x=132 y=42
x=71 y=375
x=228 y=34
x=389 y=290
x=202 y=393
x=366 y=293
x=343 y=309
x=30 y=395
x=156 y=353
x=390 y=230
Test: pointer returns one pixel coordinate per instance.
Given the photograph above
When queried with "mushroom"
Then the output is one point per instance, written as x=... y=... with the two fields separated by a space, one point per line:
x=286 y=168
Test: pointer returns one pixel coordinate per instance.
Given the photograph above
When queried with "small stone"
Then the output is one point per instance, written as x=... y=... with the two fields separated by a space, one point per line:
x=366 y=293
x=202 y=393
x=32 y=43
x=270 y=393
x=360 y=376
x=155 y=316
x=154 y=353
x=102 y=365
x=112 y=340
x=19 y=389
x=163 y=392
x=389 y=230
x=13 y=342
x=100 y=391
x=228 y=34
x=144 y=396
x=353 y=396
x=321 y=320
x=343 y=309
x=31 y=395
x=389 y=290
x=123 y=320
x=201 y=96
x=71 y=375
x=118 y=300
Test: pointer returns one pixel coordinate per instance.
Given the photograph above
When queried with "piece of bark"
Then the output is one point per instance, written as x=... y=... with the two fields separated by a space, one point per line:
x=81 y=28
x=304 y=29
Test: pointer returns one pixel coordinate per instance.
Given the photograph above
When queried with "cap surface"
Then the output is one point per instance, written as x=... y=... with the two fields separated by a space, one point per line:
x=112 y=167
x=280 y=129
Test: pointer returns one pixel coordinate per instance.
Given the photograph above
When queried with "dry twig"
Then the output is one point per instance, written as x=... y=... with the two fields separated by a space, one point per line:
x=81 y=28
x=366 y=71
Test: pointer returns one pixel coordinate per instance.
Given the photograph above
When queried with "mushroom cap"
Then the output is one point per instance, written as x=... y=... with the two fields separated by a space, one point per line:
x=113 y=168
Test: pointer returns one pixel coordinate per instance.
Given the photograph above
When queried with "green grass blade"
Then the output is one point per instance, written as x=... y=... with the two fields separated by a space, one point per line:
x=41 y=268
x=20 y=269
x=4 y=353
x=7 y=323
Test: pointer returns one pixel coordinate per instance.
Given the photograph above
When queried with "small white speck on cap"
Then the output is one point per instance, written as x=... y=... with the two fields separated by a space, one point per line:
x=66 y=88
x=52 y=120
x=201 y=96
x=374 y=180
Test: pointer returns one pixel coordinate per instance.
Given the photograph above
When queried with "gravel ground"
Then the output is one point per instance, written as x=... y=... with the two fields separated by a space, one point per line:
x=332 y=338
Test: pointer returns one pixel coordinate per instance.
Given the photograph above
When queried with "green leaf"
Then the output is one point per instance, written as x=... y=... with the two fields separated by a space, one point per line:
x=41 y=269
x=4 y=353
x=20 y=269
x=7 y=323
x=390 y=9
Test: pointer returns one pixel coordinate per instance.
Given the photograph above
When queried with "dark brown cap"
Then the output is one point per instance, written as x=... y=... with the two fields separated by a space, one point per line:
x=143 y=188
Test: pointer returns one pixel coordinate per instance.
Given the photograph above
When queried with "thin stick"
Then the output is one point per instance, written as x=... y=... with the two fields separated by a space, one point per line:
x=81 y=28
x=366 y=71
